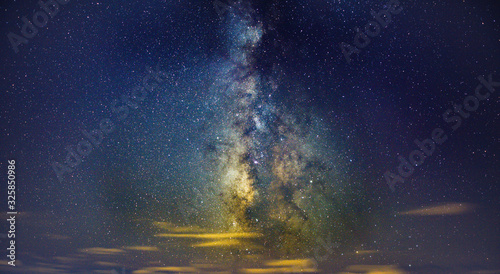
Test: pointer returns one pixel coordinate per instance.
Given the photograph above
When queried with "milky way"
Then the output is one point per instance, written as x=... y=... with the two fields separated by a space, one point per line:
x=271 y=165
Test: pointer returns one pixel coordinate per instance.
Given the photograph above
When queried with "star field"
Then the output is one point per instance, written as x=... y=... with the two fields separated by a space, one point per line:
x=247 y=136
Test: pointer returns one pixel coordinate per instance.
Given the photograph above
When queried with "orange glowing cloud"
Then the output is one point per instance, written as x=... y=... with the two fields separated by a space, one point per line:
x=212 y=235
x=446 y=209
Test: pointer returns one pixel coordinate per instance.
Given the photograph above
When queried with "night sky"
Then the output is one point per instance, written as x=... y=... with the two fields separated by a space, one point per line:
x=251 y=136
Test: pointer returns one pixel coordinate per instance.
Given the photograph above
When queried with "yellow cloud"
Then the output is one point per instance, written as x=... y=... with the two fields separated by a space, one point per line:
x=212 y=235
x=296 y=262
x=106 y=264
x=364 y=252
x=375 y=269
x=101 y=251
x=446 y=209
x=142 y=248
x=178 y=269
x=226 y=242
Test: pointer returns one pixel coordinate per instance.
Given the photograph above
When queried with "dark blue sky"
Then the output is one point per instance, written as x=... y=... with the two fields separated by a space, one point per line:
x=370 y=111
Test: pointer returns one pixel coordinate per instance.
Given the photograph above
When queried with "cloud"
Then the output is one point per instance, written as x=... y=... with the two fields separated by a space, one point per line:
x=374 y=269
x=446 y=209
x=101 y=251
x=142 y=248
